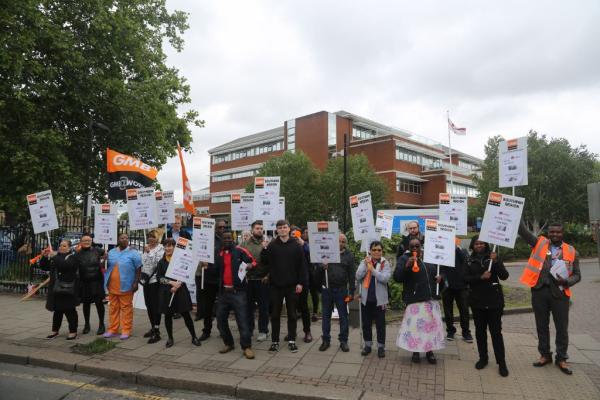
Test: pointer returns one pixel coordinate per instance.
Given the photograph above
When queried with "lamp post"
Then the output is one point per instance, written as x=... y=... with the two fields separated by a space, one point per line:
x=87 y=198
x=345 y=195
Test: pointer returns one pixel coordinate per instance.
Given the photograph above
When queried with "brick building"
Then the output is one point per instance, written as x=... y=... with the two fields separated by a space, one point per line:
x=415 y=168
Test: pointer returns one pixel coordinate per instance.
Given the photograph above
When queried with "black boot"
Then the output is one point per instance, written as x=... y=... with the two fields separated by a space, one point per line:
x=155 y=336
x=101 y=329
x=86 y=328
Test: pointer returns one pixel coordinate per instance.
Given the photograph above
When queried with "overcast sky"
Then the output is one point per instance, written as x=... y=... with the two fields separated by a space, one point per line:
x=500 y=68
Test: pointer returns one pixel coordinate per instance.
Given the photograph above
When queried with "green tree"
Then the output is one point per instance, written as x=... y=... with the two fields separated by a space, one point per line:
x=77 y=77
x=361 y=178
x=299 y=185
x=558 y=176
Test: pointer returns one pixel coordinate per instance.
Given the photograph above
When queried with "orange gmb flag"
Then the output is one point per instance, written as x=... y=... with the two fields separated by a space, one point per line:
x=127 y=172
x=188 y=204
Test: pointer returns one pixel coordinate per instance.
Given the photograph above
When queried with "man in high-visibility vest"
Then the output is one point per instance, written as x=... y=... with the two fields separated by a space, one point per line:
x=551 y=270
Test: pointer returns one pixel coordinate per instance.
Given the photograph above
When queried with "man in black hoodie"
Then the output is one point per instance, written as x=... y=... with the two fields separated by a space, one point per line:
x=456 y=291
x=286 y=265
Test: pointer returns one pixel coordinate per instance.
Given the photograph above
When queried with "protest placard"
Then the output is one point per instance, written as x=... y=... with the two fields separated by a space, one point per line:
x=324 y=239
x=42 y=211
x=182 y=266
x=266 y=198
x=203 y=235
x=165 y=205
x=141 y=208
x=501 y=219
x=439 y=242
x=384 y=223
x=361 y=210
x=242 y=211
x=270 y=225
x=105 y=224
x=453 y=209
x=512 y=163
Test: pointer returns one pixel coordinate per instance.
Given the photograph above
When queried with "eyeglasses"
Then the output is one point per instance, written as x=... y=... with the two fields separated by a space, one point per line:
x=377 y=250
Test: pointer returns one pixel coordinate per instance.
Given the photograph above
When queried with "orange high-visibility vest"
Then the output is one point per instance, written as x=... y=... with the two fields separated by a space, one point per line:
x=532 y=271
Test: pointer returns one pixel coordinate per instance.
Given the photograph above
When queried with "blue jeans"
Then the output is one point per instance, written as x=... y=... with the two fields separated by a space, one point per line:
x=258 y=293
x=330 y=297
x=233 y=301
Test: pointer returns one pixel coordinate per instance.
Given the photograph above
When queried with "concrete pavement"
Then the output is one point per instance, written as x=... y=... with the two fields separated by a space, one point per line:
x=313 y=374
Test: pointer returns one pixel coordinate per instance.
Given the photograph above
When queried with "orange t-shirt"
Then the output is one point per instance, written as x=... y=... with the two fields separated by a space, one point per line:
x=114 y=281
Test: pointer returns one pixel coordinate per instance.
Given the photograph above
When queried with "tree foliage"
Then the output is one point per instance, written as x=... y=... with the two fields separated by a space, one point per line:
x=311 y=195
x=558 y=178
x=68 y=71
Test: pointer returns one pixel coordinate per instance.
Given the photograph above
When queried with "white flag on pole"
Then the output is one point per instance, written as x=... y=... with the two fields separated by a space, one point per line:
x=457 y=131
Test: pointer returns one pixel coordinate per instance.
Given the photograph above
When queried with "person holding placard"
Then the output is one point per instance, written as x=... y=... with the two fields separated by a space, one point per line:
x=421 y=329
x=89 y=262
x=153 y=253
x=174 y=297
x=285 y=263
x=233 y=263
x=551 y=270
x=340 y=277
x=121 y=281
x=257 y=288
x=373 y=274
x=486 y=300
x=63 y=295
x=456 y=291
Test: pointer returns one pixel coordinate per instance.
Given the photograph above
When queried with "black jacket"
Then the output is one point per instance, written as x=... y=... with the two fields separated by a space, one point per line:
x=63 y=267
x=285 y=263
x=238 y=255
x=485 y=293
x=182 y=233
x=418 y=286
x=88 y=262
x=455 y=276
x=181 y=300
x=403 y=246
x=340 y=275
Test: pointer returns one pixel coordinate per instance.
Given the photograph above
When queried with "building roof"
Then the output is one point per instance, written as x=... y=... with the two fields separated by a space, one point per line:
x=250 y=140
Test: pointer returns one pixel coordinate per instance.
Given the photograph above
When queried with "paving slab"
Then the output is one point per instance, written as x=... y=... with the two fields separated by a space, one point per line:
x=342 y=369
x=52 y=358
x=308 y=371
x=15 y=354
x=253 y=389
x=584 y=341
x=124 y=370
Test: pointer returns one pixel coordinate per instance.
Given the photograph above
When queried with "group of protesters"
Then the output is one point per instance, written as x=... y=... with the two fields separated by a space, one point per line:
x=279 y=272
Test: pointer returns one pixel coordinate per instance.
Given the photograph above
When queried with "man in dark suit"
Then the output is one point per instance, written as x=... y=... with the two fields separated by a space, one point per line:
x=175 y=232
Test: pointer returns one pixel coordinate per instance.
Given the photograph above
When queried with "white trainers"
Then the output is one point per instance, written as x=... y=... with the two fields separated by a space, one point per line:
x=261 y=337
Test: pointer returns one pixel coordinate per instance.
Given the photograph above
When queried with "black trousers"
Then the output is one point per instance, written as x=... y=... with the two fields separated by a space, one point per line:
x=72 y=318
x=544 y=303
x=303 y=308
x=99 y=308
x=151 y=296
x=460 y=296
x=491 y=319
x=187 y=319
x=206 y=305
x=371 y=312
x=315 y=295
x=291 y=302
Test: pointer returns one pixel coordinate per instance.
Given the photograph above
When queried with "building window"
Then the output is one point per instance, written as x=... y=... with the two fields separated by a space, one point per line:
x=291 y=135
x=458 y=188
x=408 y=155
x=200 y=197
x=406 y=186
x=201 y=210
x=248 y=152
x=234 y=175
x=331 y=130
x=467 y=165
x=221 y=199
x=358 y=132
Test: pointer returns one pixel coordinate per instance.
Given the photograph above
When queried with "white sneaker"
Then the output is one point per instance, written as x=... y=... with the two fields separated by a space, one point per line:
x=261 y=337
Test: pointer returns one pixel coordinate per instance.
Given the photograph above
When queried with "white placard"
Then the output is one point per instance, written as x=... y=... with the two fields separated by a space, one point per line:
x=361 y=209
x=41 y=209
x=453 y=209
x=270 y=225
x=242 y=211
x=512 y=163
x=501 y=219
x=365 y=243
x=324 y=239
x=165 y=206
x=105 y=224
x=141 y=208
x=138 y=298
x=440 y=247
x=192 y=289
x=204 y=239
x=182 y=266
x=266 y=195
x=242 y=271
x=384 y=224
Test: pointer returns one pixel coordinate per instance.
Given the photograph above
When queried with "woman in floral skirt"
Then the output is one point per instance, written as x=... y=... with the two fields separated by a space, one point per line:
x=421 y=329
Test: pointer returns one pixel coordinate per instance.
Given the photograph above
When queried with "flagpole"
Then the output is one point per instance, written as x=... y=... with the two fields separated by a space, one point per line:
x=450 y=152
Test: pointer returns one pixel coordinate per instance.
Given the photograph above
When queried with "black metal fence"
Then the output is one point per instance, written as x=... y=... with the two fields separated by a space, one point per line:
x=18 y=245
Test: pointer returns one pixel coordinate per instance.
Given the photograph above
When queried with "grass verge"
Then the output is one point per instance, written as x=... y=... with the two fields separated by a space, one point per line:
x=98 y=346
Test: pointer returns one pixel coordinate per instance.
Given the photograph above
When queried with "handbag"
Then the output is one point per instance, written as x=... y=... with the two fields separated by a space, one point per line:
x=145 y=278
x=62 y=287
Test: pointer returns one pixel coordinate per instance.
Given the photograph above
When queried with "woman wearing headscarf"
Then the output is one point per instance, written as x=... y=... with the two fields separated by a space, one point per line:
x=63 y=295
x=153 y=252
x=421 y=330
x=487 y=301
x=174 y=297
